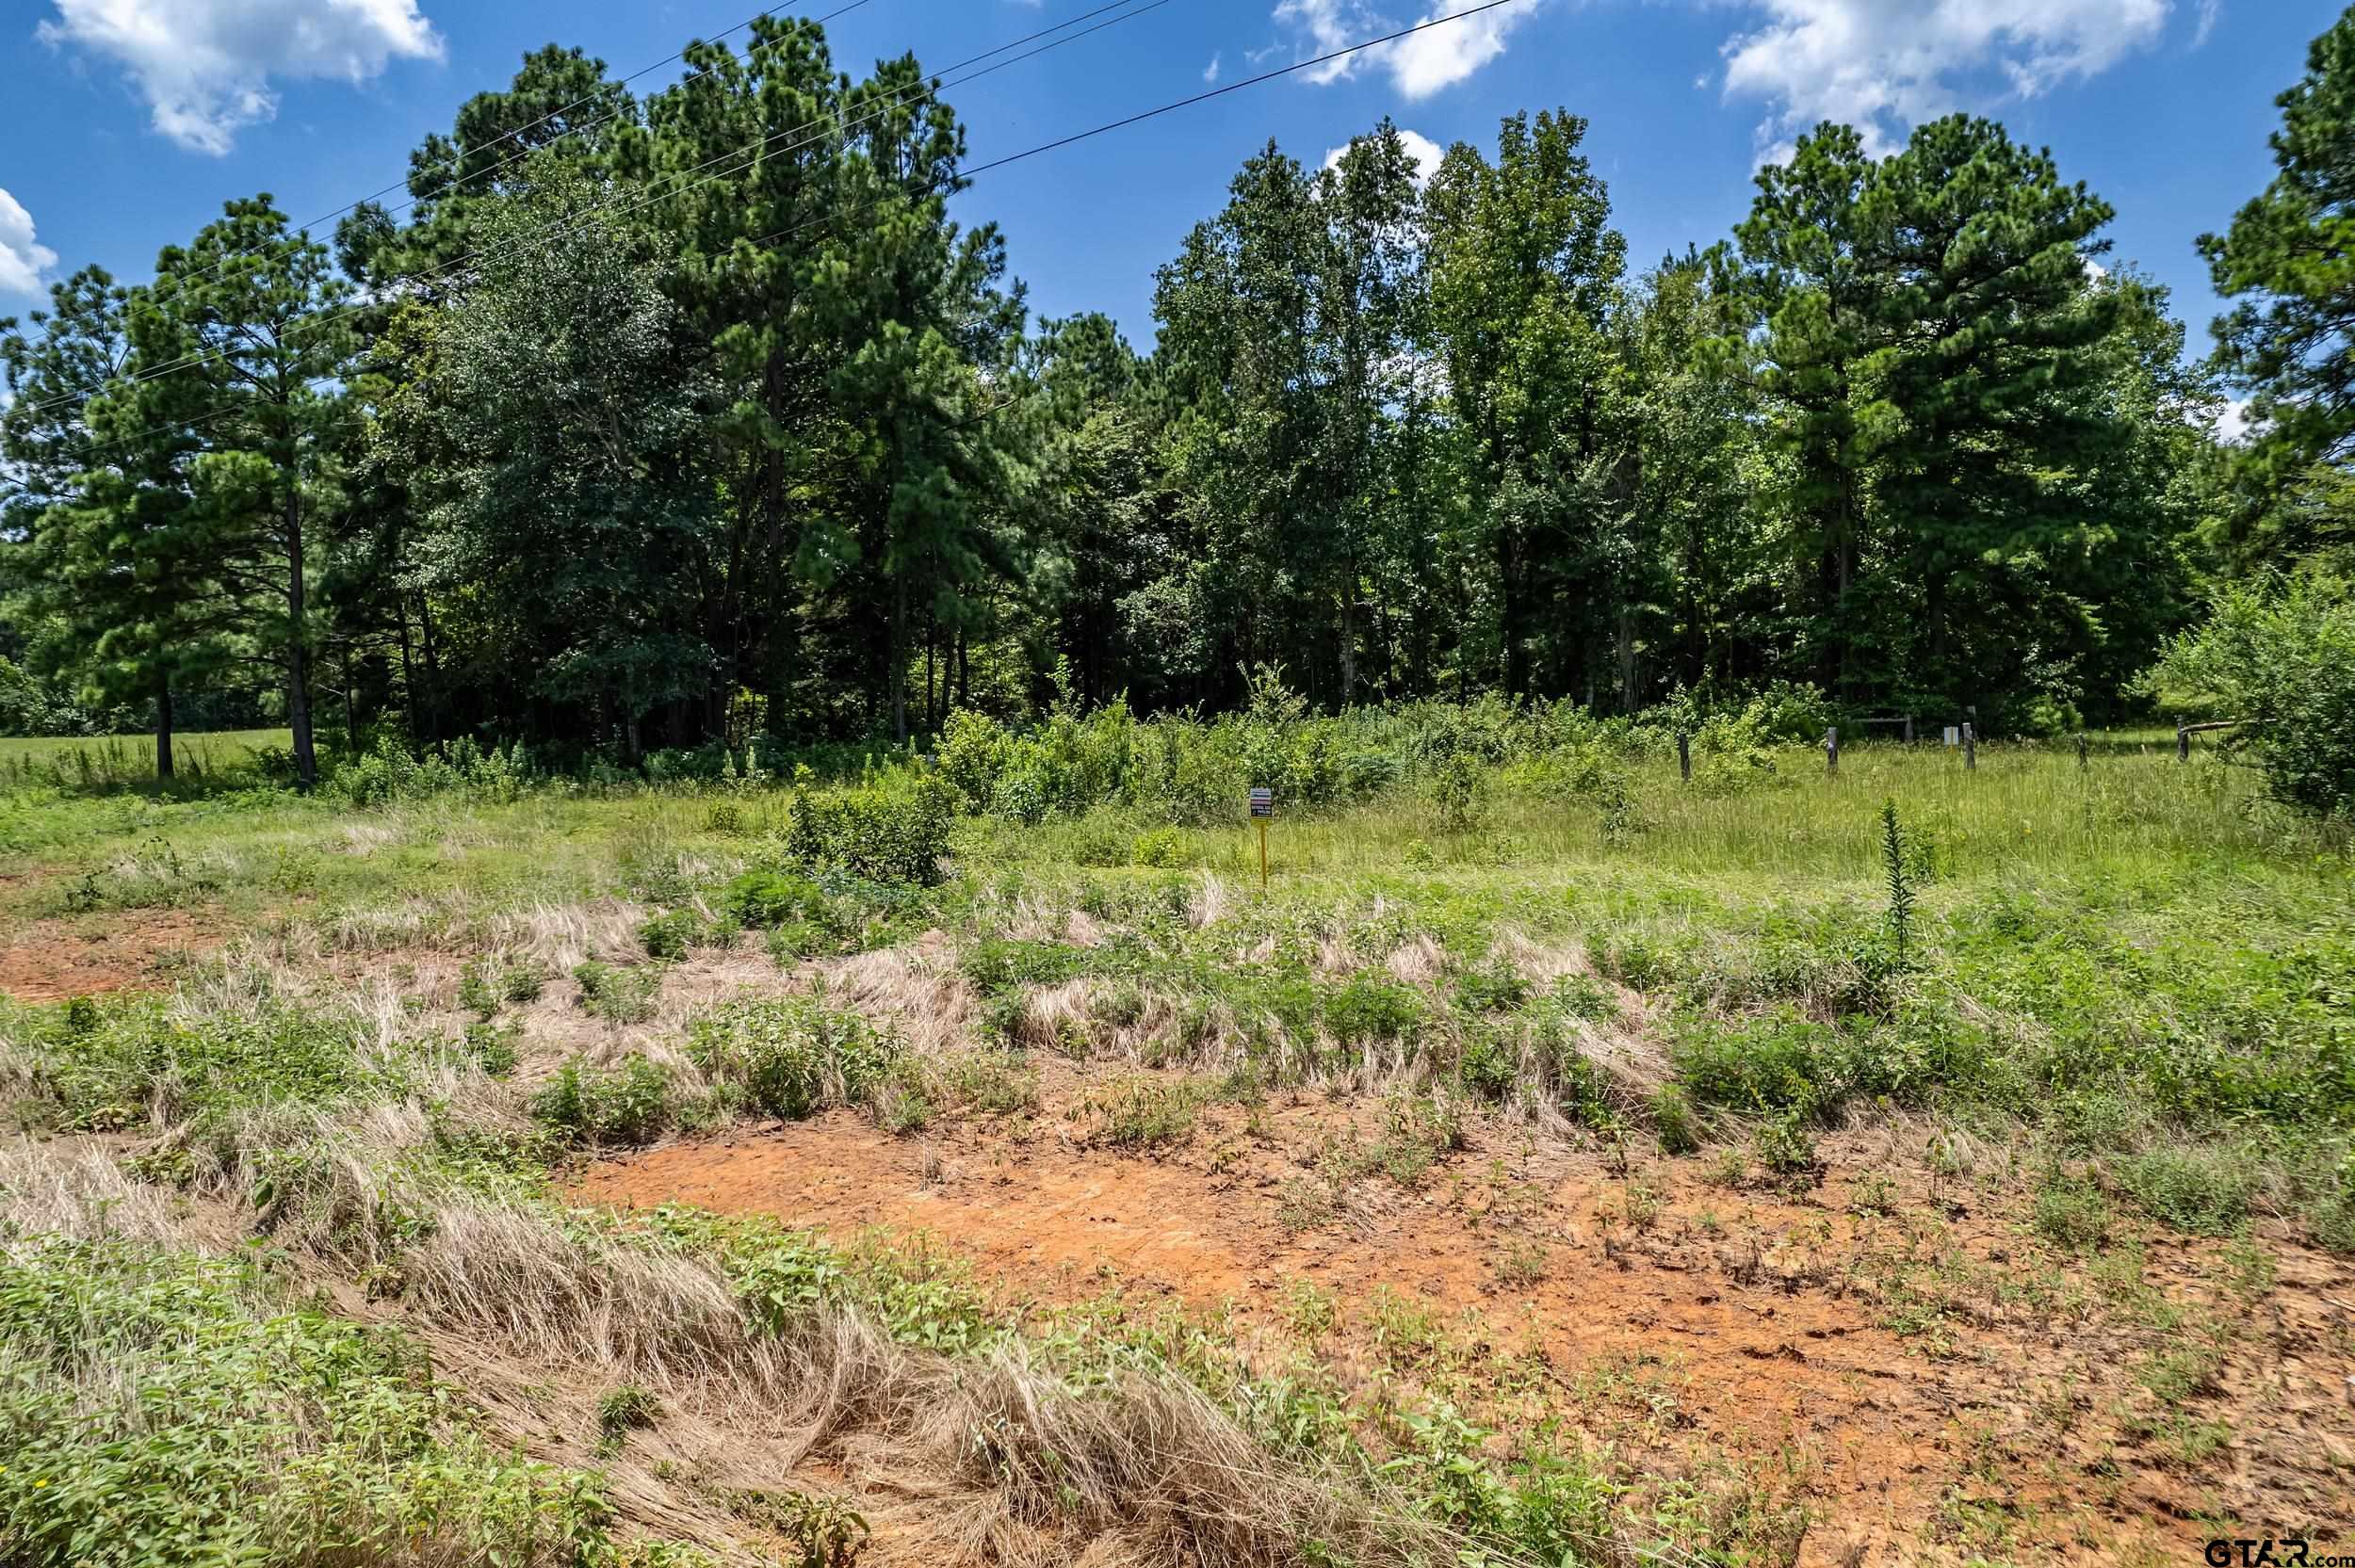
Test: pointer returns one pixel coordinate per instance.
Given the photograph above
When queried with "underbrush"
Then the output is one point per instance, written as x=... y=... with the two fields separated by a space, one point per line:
x=168 y=1407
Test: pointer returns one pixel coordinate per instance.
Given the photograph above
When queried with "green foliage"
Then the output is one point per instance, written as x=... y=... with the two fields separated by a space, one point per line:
x=1139 y=1113
x=1895 y=867
x=2291 y=337
x=1369 y=1007
x=669 y=936
x=622 y=1410
x=2205 y=1190
x=774 y=899
x=1785 y=1147
x=894 y=832
x=600 y=1107
x=790 y=1057
x=616 y=995
x=2071 y=1212
x=2280 y=657
x=163 y=1409
x=1675 y=1121
x=391 y=775
x=105 y=1066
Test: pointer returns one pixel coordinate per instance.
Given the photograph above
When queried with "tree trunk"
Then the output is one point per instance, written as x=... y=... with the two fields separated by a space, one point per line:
x=1627 y=658
x=163 y=726
x=408 y=671
x=895 y=673
x=297 y=650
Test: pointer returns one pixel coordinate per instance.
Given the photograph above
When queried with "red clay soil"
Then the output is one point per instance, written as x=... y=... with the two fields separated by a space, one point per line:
x=48 y=961
x=1761 y=1322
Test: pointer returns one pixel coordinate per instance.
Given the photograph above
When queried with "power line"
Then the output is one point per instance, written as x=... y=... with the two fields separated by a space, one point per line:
x=460 y=154
x=934 y=83
x=1109 y=126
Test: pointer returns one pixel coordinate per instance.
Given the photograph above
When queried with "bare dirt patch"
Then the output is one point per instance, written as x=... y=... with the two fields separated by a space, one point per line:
x=1908 y=1361
x=48 y=961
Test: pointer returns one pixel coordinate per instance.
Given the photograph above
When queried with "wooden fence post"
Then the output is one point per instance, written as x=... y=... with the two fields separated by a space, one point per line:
x=1831 y=750
x=2183 y=743
x=1685 y=756
x=2081 y=753
x=1908 y=729
x=1971 y=747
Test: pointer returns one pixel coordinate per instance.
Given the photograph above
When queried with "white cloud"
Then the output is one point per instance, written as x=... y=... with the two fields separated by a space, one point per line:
x=2209 y=11
x=21 y=261
x=205 y=66
x=1420 y=64
x=2233 y=423
x=1210 y=72
x=1425 y=152
x=1884 y=65
x=1442 y=56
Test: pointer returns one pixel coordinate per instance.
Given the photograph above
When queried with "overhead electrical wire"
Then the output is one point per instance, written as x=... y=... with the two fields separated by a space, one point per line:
x=1060 y=142
x=1129 y=9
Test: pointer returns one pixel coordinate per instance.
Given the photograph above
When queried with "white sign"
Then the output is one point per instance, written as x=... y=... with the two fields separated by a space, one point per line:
x=1954 y=735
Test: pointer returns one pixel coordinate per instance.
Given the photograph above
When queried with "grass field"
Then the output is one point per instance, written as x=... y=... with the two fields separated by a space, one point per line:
x=111 y=761
x=1557 y=1162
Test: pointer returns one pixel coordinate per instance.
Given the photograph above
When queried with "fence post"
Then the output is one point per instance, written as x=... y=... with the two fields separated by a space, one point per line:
x=2183 y=743
x=2081 y=753
x=1908 y=729
x=1685 y=756
x=1971 y=747
x=1831 y=750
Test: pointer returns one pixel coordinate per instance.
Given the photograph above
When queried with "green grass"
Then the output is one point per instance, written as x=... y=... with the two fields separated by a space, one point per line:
x=114 y=761
x=2137 y=978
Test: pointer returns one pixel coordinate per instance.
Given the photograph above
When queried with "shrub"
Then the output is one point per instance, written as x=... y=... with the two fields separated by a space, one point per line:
x=2202 y=1190
x=585 y=1104
x=617 y=996
x=668 y=937
x=622 y=1410
x=2279 y=655
x=885 y=833
x=2071 y=1212
x=1163 y=848
x=1142 y=1112
x=1675 y=1122
x=1785 y=1147
x=97 y=1067
x=767 y=898
x=790 y=1056
x=1367 y=1007
x=1459 y=793
x=1780 y=1062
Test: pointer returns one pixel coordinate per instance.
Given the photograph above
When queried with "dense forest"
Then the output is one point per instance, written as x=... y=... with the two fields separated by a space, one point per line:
x=643 y=415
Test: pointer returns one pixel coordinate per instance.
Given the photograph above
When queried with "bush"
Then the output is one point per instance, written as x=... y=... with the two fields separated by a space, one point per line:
x=1163 y=848
x=789 y=1056
x=2202 y=1190
x=668 y=937
x=99 y=1067
x=884 y=833
x=390 y=774
x=584 y=1105
x=2279 y=655
x=2071 y=1212
x=1367 y=1007
x=617 y=996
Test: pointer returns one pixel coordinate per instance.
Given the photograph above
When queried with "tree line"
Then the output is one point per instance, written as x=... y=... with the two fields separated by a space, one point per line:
x=644 y=415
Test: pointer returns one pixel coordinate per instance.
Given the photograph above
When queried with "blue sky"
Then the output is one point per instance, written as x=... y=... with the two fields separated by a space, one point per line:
x=130 y=121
